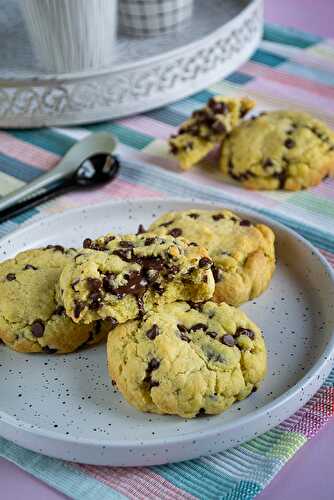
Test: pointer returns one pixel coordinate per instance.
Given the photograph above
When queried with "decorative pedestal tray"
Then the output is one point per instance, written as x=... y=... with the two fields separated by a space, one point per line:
x=144 y=73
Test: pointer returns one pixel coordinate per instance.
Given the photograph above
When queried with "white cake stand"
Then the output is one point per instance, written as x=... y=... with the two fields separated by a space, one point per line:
x=144 y=74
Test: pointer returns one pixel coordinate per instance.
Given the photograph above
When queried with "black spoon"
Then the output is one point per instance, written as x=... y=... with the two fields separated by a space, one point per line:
x=94 y=169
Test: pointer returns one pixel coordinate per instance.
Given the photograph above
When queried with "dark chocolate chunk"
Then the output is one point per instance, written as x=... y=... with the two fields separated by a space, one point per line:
x=151 y=383
x=152 y=332
x=149 y=241
x=96 y=301
x=282 y=177
x=184 y=337
x=218 y=274
x=78 y=307
x=228 y=340
x=49 y=350
x=268 y=163
x=218 y=217
x=218 y=127
x=193 y=215
x=126 y=244
x=158 y=288
x=201 y=413
x=37 y=328
x=245 y=331
x=199 y=326
x=75 y=282
x=289 y=143
x=59 y=311
x=173 y=270
x=141 y=229
x=87 y=243
x=193 y=244
x=29 y=266
x=94 y=284
x=175 y=232
x=205 y=262
x=56 y=248
x=11 y=277
x=153 y=365
x=124 y=254
x=182 y=328
x=166 y=224
x=173 y=148
x=245 y=222
x=195 y=305
x=213 y=335
x=218 y=107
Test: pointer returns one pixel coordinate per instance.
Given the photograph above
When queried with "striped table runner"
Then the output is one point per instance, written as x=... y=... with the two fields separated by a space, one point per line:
x=290 y=69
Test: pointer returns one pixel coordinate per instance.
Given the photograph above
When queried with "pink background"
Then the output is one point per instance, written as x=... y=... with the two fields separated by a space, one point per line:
x=309 y=474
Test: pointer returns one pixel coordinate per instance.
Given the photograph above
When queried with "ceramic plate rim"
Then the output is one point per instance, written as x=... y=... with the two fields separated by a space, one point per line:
x=321 y=366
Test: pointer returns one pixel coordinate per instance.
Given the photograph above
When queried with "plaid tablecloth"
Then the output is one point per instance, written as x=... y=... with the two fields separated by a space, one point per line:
x=290 y=69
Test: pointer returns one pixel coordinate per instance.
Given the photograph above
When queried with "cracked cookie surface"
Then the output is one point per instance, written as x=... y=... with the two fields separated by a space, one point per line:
x=187 y=359
x=31 y=319
x=206 y=128
x=121 y=277
x=287 y=150
x=243 y=253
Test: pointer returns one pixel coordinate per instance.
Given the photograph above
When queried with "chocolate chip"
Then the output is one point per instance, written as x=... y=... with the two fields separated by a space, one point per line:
x=37 y=328
x=96 y=299
x=213 y=335
x=124 y=254
x=218 y=274
x=29 y=266
x=93 y=284
x=78 y=307
x=199 y=326
x=56 y=248
x=151 y=383
x=218 y=107
x=87 y=243
x=193 y=244
x=152 y=332
x=126 y=244
x=245 y=331
x=193 y=215
x=141 y=307
x=153 y=365
x=74 y=283
x=228 y=340
x=158 y=288
x=49 y=350
x=195 y=305
x=184 y=337
x=173 y=270
x=149 y=241
x=175 y=232
x=201 y=413
x=268 y=163
x=173 y=148
x=182 y=328
x=205 y=262
x=141 y=229
x=166 y=224
x=59 y=311
x=245 y=222
x=218 y=127
x=218 y=217
x=282 y=177
x=11 y=277
x=289 y=143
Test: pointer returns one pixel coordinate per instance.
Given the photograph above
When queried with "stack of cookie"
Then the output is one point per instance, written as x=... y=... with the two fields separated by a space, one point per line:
x=176 y=343
x=288 y=150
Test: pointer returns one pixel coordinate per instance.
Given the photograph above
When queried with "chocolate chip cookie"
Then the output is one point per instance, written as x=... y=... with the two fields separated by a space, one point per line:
x=207 y=127
x=243 y=253
x=31 y=318
x=187 y=359
x=279 y=150
x=121 y=277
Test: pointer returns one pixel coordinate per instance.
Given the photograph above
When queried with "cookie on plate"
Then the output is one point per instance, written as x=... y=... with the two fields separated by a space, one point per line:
x=31 y=318
x=121 y=277
x=206 y=128
x=243 y=253
x=187 y=359
x=279 y=150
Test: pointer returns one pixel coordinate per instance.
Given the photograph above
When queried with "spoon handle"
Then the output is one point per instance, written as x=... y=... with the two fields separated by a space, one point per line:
x=33 y=201
x=25 y=192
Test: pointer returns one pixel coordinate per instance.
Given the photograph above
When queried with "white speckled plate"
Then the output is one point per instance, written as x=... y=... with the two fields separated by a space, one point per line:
x=66 y=407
